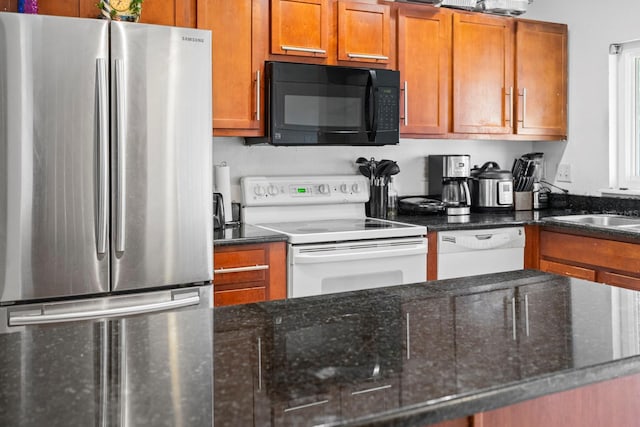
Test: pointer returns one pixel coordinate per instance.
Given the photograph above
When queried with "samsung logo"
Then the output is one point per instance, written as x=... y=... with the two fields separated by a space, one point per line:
x=192 y=39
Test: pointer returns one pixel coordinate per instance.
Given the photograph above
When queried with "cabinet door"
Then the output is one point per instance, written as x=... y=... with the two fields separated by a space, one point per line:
x=300 y=27
x=238 y=53
x=567 y=270
x=424 y=61
x=544 y=330
x=486 y=329
x=541 y=78
x=180 y=13
x=482 y=74
x=429 y=357
x=238 y=360
x=363 y=32
x=621 y=280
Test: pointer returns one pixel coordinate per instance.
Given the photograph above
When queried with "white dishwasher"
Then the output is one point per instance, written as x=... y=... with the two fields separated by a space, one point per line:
x=464 y=253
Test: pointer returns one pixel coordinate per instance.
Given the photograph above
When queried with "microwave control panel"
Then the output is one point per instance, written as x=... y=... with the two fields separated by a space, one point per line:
x=296 y=190
x=388 y=114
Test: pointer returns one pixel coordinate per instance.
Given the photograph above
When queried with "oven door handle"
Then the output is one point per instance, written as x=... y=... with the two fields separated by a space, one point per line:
x=339 y=256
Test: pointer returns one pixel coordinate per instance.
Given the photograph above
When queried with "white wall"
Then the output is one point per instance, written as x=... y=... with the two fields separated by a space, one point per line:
x=593 y=25
x=410 y=154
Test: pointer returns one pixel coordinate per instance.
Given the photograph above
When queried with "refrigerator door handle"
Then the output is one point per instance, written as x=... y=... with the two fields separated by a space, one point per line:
x=120 y=153
x=40 y=316
x=103 y=150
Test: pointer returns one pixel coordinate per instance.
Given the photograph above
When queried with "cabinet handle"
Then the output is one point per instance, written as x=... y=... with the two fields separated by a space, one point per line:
x=259 y=363
x=526 y=313
x=241 y=269
x=363 y=56
x=513 y=318
x=303 y=49
x=510 y=94
x=369 y=390
x=524 y=105
x=308 y=405
x=258 y=95
x=406 y=104
x=408 y=339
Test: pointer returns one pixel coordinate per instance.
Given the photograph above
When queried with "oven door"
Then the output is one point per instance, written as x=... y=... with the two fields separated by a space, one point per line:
x=339 y=267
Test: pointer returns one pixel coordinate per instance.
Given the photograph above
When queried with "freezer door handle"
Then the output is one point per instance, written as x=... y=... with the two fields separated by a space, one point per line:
x=121 y=125
x=103 y=150
x=39 y=317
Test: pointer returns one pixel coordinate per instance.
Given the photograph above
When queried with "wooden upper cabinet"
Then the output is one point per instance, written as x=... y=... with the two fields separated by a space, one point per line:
x=483 y=74
x=181 y=13
x=424 y=61
x=300 y=27
x=363 y=32
x=541 y=78
x=239 y=49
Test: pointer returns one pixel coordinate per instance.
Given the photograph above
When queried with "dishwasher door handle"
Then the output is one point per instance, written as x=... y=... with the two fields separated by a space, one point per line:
x=479 y=241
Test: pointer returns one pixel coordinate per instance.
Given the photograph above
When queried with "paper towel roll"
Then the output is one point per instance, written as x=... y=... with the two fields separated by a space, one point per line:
x=223 y=186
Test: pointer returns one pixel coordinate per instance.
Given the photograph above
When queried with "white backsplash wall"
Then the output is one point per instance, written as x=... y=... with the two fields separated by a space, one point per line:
x=410 y=154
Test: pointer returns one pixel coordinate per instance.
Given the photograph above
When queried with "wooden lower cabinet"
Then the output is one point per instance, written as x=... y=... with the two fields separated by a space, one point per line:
x=592 y=258
x=249 y=273
x=609 y=403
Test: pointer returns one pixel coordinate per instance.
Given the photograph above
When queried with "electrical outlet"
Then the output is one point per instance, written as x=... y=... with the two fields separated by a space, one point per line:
x=564 y=172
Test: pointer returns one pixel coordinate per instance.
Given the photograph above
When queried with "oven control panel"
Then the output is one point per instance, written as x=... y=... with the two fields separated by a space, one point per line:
x=300 y=190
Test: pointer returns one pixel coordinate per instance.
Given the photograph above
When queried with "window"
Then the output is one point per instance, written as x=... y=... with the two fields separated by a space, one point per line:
x=624 y=118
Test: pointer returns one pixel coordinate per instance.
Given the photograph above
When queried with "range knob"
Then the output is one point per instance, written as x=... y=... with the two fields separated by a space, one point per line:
x=356 y=188
x=323 y=188
x=344 y=188
x=272 y=190
x=259 y=190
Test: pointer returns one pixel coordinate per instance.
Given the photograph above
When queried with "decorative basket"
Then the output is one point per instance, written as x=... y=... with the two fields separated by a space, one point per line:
x=121 y=10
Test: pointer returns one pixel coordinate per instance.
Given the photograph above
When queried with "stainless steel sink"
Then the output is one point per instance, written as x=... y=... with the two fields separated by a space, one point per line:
x=602 y=220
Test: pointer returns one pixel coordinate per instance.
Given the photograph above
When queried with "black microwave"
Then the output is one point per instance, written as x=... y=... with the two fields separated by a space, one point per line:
x=309 y=104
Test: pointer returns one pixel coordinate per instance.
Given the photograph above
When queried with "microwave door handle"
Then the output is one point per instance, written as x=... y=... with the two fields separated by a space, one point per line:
x=372 y=90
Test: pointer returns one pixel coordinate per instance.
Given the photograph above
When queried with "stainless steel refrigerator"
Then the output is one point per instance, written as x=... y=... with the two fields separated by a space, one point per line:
x=105 y=168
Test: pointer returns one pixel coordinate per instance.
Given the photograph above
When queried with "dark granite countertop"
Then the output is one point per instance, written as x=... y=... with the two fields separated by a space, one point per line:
x=480 y=220
x=418 y=354
x=144 y=370
x=245 y=234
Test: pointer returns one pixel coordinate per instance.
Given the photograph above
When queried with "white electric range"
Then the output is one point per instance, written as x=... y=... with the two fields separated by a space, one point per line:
x=332 y=245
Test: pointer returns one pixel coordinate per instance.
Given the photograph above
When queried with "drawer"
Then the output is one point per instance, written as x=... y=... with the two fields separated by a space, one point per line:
x=239 y=266
x=239 y=296
x=567 y=270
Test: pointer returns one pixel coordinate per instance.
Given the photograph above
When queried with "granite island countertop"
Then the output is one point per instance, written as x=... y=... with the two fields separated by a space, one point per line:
x=418 y=354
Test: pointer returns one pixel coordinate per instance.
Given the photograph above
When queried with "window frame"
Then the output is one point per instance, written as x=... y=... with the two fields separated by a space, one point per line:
x=624 y=117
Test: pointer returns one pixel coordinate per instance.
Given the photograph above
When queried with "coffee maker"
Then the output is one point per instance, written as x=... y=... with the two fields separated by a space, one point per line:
x=449 y=180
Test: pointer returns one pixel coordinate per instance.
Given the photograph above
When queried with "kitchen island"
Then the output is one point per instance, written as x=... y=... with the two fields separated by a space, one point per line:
x=420 y=354
x=410 y=355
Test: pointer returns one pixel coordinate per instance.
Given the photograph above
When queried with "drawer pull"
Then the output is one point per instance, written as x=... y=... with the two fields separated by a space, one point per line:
x=241 y=269
x=308 y=405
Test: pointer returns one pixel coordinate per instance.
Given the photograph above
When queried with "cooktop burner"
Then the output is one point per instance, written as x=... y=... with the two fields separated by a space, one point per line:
x=343 y=229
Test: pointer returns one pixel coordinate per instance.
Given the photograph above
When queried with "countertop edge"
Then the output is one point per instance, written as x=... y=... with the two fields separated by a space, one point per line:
x=490 y=399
